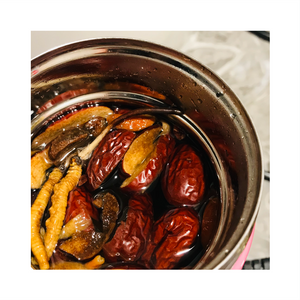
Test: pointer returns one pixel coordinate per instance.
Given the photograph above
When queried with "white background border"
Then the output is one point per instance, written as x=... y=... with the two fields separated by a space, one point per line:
x=19 y=18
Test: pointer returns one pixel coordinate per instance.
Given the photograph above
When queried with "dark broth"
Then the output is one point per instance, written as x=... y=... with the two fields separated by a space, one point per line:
x=160 y=204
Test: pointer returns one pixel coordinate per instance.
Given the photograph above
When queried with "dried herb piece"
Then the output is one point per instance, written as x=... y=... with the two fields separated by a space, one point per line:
x=140 y=148
x=37 y=211
x=79 y=223
x=133 y=123
x=59 y=203
x=66 y=139
x=75 y=120
x=151 y=167
x=84 y=244
x=40 y=163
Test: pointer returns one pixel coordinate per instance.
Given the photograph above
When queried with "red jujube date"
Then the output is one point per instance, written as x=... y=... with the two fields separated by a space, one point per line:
x=129 y=240
x=87 y=243
x=172 y=237
x=107 y=155
x=153 y=166
x=183 y=180
x=80 y=201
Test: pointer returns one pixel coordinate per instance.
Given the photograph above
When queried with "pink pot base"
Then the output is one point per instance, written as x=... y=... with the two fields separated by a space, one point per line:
x=242 y=258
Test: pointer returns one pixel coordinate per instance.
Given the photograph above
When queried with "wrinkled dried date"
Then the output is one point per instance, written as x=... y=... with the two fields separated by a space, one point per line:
x=183 y=181
x=86 y=244
x=80 y=200
x=129 y=240
x=154 y=166
x=107 y=155
x=172 y=237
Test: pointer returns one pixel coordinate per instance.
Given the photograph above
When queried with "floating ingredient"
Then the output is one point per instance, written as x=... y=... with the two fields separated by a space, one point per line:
x=129 y=240
x=86 y=244
x=95 y=263
x=80 y=202
x=95 y=126
x=107 y=155
x=40 y=163
x=134 y=123
x=37 y=211
x=79 y=223
x=183 y=180
x=140 y=149
x=75 y=120
x=59 y=203
x=152 y=166
x=110 y=210
x=85 y=153
x=62 y=148
x=173 y=236
x=66 y=139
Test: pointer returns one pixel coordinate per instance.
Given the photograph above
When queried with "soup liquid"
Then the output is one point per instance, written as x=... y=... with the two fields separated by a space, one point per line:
x=160 y=204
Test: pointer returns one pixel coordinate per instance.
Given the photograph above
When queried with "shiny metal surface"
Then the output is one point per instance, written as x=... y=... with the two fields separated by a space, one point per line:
x=140 y=72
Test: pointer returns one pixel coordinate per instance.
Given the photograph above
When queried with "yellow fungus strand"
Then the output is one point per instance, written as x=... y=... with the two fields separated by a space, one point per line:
x=40 y=162
x=37 y=211
x=95 y=263
x=59 y=204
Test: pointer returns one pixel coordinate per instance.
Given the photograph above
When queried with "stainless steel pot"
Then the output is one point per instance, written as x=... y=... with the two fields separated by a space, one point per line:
x=146 y=74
